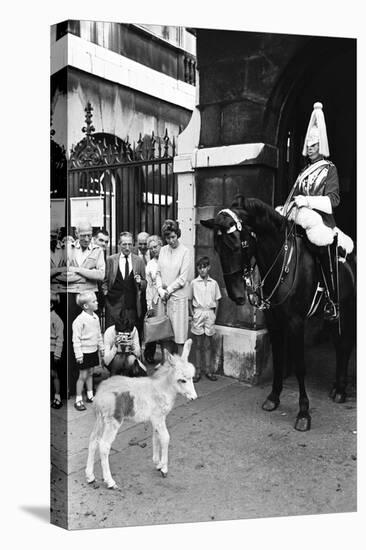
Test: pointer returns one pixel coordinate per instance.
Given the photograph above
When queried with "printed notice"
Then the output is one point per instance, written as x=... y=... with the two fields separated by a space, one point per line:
x=86 y=209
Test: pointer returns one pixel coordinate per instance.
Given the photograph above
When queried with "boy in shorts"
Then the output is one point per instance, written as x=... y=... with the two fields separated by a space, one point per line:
x=87 y=340
x=204 y=299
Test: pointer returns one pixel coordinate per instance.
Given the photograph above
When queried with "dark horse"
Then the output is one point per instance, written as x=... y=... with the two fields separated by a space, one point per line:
x=253 y=233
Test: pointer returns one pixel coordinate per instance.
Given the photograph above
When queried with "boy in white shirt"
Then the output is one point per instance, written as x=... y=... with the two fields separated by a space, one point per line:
x=204 y=299
x=87 y=340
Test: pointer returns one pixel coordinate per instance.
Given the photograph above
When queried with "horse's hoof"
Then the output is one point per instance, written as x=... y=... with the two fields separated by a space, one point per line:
x=269 y=405
x=339 y=398
x=303 y=423
x=164 y=474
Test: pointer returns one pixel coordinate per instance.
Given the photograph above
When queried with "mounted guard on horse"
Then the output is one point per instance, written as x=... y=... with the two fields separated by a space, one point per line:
x=310 y=204
x=252 y=237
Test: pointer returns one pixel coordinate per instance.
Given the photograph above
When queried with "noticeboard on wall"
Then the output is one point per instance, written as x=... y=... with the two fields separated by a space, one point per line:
x=86 y=209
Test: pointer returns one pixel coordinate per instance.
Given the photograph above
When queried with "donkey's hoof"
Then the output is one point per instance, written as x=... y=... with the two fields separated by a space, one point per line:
x=94 y=484
x=303 y=423
x=339 y=398
x=270 y=405
x=113 y=487
x=89 y=474
x=164 y=474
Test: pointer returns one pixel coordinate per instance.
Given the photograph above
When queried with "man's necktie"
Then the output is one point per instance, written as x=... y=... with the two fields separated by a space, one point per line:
x=126 y=267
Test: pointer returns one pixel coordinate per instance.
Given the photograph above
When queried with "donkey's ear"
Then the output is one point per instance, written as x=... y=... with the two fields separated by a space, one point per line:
x=186 y=349
x=208 y=223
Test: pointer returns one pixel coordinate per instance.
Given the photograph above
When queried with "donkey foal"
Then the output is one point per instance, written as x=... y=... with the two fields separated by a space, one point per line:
x=140 y=400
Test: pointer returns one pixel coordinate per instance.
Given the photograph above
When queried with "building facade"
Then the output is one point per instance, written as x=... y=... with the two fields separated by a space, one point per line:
x=256 y=94
x=127 y=99
x=120 y=96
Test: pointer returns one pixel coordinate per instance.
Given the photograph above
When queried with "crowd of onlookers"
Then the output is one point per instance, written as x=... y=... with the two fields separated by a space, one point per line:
x=151 y=278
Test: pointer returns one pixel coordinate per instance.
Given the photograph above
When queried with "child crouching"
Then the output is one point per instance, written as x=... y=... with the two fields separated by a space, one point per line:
x=122 y=348
x=87 y=340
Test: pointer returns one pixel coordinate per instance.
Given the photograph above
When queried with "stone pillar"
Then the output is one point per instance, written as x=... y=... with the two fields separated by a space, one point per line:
x=208 y=178
x=243 y=346
x=187 y=143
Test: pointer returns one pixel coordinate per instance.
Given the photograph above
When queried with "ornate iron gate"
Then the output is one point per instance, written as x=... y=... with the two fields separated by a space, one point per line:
x=134 y=182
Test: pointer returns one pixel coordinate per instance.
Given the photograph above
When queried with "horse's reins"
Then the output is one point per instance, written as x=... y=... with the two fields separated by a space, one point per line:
x=255 y=291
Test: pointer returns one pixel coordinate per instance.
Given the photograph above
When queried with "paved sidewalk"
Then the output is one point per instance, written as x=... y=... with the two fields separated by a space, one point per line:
x=228 y=459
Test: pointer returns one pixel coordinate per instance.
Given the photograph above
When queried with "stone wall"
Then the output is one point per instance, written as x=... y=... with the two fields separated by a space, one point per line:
x=215 y=189
x=238 y=74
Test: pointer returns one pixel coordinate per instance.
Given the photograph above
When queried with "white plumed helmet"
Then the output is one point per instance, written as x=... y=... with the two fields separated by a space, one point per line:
x=317 y=131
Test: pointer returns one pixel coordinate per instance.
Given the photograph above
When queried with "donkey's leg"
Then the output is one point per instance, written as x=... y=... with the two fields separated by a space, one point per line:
x=156 y=446
x=93 y=443
x=277 y=340
x=296 y=349
x=111 y=427
x=164 y=439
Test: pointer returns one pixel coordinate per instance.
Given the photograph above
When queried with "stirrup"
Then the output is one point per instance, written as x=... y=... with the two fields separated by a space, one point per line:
x=331 y=311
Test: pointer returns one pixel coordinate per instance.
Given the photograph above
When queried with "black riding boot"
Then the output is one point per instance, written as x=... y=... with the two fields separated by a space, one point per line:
x=329 y=266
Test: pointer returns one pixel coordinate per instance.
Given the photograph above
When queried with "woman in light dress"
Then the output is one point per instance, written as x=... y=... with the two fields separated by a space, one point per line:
x=172 y=283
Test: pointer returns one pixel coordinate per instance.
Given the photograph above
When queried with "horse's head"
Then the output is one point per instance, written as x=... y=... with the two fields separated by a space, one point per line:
x=235 y=243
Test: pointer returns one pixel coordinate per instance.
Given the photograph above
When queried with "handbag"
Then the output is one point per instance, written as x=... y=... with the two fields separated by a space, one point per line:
x=157 y=328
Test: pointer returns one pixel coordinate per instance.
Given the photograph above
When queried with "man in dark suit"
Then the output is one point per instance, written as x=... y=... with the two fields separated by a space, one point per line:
x=124 y=283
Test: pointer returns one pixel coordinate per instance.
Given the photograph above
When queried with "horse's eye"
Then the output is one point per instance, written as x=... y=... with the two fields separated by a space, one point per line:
x=181 y=381
x=231 y=229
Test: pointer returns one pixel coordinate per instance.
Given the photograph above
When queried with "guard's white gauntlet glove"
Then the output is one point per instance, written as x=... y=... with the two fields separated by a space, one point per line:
x=321 y=203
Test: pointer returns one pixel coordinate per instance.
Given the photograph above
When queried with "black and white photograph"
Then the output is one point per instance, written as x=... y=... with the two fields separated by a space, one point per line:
x=203 y=230
x=201 y=199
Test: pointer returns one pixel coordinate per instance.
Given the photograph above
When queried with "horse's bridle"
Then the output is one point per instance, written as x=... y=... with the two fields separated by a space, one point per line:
x=255 y=289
